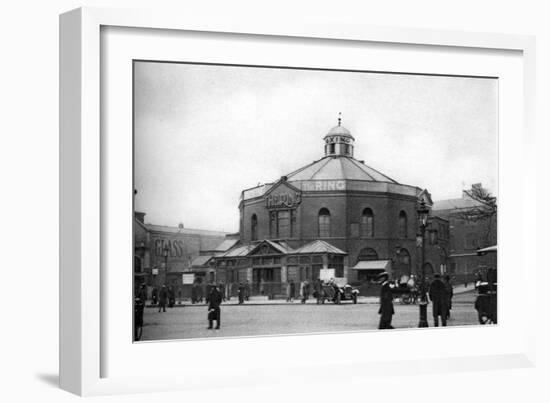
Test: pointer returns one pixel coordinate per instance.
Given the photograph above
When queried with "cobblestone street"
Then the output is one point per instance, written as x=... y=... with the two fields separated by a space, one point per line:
x=250 y=320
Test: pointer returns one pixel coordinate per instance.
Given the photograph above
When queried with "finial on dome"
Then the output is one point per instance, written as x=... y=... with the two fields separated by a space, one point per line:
x=339 y=118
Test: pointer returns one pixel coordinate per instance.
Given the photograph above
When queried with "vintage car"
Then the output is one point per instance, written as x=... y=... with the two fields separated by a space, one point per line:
x=336 y=293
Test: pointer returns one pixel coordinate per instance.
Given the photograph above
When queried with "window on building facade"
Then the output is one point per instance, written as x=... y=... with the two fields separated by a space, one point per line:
x=282 y=223
x=324 y=223
x=402 y=224
x=433 y=237
x=254 y=227
x=336 y=263
x=367 y=223
x=367 y=254
x=331 y=148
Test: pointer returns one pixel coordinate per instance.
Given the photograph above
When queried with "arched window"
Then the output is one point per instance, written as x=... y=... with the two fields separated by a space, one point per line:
x=402 y=224
x=254 y=227
x=367 y=223
x=402 y=265
x=367 y=254
x=324 y=223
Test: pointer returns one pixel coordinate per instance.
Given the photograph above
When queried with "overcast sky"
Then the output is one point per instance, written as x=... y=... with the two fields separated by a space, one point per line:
x=204 y=133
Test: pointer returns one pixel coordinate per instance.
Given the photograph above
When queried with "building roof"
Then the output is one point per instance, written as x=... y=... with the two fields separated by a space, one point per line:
x=338 y=168
x=225 y=245
x=339 y=131
x=318 y=246
x=456 y=204
x=239 y=251
x=177 y=230
x=201 y=260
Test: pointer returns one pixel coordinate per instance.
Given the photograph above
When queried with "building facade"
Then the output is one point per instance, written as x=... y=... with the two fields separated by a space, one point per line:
x=336 y=213
x=162 y=254
x=468 y=234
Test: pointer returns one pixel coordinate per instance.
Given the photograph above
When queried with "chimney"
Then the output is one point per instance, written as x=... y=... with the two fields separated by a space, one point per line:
x=138 y=215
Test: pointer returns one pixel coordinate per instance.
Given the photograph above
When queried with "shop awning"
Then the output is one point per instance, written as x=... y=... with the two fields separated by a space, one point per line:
x=488 y=249
x=379 y=265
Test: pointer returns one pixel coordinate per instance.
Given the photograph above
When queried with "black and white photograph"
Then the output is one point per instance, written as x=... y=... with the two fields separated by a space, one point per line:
x=274 y=200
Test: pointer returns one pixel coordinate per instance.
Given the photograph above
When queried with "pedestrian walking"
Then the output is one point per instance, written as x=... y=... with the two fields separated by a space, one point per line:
x=163 y=298
x=214 y=311
x=246 y=290
x=292 y=290
x=142 y=294
x=241 y=293
x=288 y=291
x=171 y=297
x=386 y=310
x=222 y=290
x=318 y=290
x=438 y=296
x=304 y=291
x=449 y=290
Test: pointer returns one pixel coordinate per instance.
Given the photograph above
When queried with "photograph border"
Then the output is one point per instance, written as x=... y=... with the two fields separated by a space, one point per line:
x=81 y=171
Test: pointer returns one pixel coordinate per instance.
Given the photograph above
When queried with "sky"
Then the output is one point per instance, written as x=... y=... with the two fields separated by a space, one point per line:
x=204 y=133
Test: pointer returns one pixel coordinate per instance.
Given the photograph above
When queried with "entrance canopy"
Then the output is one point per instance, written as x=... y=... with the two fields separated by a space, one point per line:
x=375 y=265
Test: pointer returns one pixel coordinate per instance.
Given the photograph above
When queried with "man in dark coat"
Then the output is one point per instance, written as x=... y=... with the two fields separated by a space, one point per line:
x=386 y=310
x=439 y=298
x=246 y=290
x=163 y=298
x=241 y=293
x=292 y=290
x=449 y=289
x=171 y=297
x=142 y=294
x=214 y=312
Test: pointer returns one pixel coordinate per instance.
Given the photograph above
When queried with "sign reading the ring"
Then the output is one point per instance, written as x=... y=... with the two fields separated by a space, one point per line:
x=283 y=200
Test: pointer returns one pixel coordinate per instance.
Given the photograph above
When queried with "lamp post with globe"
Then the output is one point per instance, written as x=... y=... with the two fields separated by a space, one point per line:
x=423 y=213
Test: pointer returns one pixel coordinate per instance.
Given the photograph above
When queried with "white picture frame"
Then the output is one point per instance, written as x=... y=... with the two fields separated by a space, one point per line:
x=84 y=178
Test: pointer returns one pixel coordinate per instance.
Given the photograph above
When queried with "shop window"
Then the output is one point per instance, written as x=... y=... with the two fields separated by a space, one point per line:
x=367 y=223
x=324 y=223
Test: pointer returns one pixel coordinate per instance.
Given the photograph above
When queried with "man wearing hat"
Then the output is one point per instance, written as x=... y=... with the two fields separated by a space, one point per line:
x=386 y=310
x=163 y=298
x=439 y=298
x=214 y=312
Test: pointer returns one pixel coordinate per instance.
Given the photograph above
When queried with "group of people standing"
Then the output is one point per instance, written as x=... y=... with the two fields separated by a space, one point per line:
x=440 y=293
x=304 y=290
x=164 y=296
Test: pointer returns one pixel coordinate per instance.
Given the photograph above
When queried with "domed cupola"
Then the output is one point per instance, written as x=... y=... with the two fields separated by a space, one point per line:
x=339 y=141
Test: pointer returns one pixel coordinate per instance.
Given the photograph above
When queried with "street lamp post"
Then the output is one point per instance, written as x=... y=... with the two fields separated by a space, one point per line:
x=423 y=213
x=165 y=252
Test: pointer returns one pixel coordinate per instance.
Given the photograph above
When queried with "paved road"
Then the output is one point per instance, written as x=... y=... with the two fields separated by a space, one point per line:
x=190 y=321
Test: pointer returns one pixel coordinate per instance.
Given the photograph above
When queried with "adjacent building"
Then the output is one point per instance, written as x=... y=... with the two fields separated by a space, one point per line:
x=469 y=232
x=163 y=254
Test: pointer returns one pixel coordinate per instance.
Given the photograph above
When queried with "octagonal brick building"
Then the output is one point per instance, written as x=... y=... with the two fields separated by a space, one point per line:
x=336 y=212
